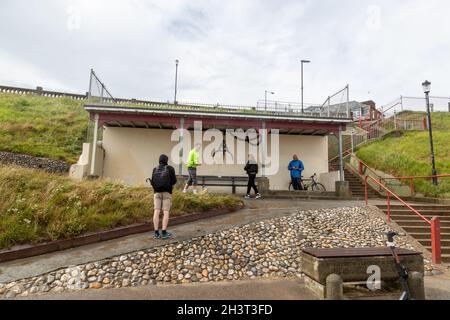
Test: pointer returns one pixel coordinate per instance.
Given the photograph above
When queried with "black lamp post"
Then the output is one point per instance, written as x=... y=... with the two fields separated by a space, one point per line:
x=426 y=89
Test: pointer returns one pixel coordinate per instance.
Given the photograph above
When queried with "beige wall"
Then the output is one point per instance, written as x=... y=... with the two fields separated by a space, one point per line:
x=131 y=154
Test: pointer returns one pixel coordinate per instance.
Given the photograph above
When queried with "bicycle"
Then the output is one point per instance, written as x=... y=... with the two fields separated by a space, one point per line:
x=313 y=184
x=401 y=269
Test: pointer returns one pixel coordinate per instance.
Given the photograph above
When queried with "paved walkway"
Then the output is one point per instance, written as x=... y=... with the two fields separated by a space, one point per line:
x=279 y=289
x=436 y=288
x=255 y=211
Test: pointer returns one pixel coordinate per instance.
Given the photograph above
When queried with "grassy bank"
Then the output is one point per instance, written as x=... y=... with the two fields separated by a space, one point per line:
x=409 y=155
x=37 y=206
x=44 y=127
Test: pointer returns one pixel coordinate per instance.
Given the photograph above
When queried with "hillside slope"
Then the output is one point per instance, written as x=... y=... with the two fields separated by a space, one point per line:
x=409 y=155
x=54 y=128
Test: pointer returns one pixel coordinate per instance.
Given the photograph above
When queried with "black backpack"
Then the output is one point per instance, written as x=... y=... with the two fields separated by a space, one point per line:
x=161 y=179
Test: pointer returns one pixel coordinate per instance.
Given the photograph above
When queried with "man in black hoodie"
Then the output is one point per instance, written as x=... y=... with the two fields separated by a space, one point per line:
x=163 y=179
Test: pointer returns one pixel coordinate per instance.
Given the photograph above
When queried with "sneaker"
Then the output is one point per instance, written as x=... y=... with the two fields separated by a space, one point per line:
x=157 y=235
x=258 y=196
x=166 y=235
x=194 y=191
x=247 y=196
x=184 y=190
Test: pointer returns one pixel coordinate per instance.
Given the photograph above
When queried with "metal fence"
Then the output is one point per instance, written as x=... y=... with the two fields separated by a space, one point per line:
x=336 y=105
x=97 y=90
x=405 y=103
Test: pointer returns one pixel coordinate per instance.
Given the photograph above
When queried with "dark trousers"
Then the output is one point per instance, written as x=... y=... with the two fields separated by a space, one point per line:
x=251 y=183
x=296 y=183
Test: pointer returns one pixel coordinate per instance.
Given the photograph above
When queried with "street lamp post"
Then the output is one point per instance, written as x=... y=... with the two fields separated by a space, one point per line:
x=303 y=61
x=176 y=80
x=265 y=98
x=426 y=89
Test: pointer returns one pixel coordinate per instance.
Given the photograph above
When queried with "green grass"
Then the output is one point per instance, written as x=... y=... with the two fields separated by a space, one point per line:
x=36 y=206
x=44 y=127
x=409 y=155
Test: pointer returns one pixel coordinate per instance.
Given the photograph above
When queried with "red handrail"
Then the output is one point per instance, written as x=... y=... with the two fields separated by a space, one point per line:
x=434 y=223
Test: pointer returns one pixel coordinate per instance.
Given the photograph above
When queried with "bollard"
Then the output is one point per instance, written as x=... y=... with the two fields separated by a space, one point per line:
x=334 y=288
x=416 y=286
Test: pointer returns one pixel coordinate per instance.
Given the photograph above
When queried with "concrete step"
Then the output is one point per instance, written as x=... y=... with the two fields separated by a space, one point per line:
x=408 y=212
x=427 y=242
x=418 y=207
x=419 y=222
x=422 y=229
x=426 y=235
x=444 y=250
x=414 y=217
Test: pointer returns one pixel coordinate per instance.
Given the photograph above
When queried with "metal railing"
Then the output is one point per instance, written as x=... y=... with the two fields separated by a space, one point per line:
x=434 y=223
x=412 y=178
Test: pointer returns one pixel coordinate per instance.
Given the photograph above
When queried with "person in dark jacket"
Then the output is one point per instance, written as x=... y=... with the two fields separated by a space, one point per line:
x=252 y=170
x=163 y=179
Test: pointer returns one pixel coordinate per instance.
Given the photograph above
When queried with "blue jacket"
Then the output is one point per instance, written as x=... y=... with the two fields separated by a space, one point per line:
x=296 y=173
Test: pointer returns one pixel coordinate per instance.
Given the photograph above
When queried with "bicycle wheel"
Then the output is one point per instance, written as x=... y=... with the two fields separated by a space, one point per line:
x=319 y=187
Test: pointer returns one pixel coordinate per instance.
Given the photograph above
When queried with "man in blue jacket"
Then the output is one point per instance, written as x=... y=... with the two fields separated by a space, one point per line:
x=296 y=168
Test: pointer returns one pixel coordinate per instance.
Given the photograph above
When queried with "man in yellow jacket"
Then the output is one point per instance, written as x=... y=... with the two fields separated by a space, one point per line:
x=192 y=164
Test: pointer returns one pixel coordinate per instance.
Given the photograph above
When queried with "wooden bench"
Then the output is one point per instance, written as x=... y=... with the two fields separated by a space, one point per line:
x=352 y=265
x=220 y=181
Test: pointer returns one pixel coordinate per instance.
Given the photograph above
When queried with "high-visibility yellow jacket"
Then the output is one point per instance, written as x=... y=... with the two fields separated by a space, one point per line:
x=192 y=161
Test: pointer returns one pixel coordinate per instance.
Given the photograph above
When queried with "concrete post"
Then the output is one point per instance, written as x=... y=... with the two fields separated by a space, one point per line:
x=181 y=140
x=263 y=148
x=94 y=144
x=416 y=286
x=334 y=287
x=341 y=159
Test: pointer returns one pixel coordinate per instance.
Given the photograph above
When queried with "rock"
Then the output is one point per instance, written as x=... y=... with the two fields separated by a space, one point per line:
x=50 y=279
x=106 y=281
x=95 y=285
x=89 y=267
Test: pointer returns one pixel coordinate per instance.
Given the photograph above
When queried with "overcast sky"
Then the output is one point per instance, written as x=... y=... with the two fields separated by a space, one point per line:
x=230 y=51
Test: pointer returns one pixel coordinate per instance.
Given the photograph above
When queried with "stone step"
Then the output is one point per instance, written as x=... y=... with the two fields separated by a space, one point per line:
x=445 y=258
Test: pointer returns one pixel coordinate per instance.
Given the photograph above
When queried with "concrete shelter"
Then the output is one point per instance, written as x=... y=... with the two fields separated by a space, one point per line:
x=133 y=137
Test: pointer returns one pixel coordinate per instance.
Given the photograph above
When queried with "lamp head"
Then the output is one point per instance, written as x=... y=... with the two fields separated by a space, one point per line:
x=426 y=86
